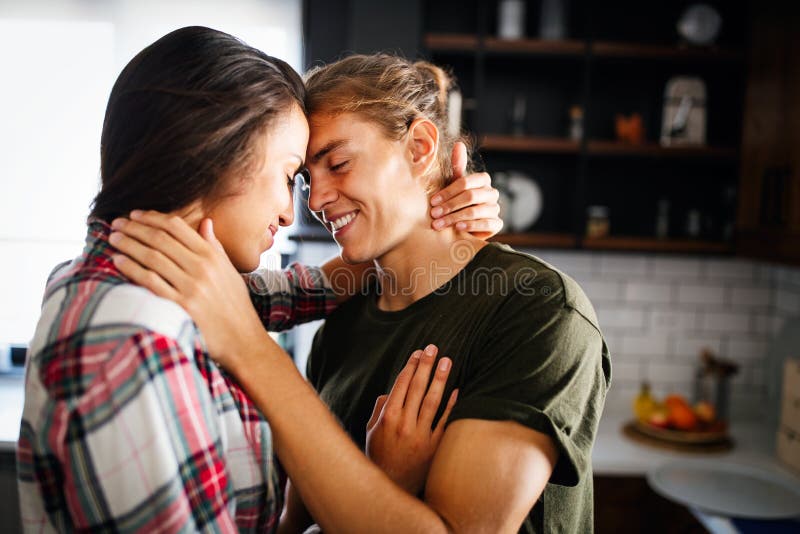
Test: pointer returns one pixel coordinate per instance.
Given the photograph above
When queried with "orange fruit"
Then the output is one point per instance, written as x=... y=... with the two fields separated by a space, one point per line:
x=681 y=416
x=675 y=400
x=705 y=412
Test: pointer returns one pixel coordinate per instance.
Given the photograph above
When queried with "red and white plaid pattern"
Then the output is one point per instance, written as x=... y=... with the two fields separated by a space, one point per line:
x=128 y=425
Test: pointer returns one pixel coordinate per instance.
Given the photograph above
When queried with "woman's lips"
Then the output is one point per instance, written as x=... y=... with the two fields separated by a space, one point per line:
x=273 y=230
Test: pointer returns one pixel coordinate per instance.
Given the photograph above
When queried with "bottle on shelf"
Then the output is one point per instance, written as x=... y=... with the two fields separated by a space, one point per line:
x=597 y=223
x=576 y=123
x=518 y=113
x=511 y=19
x=662 y=219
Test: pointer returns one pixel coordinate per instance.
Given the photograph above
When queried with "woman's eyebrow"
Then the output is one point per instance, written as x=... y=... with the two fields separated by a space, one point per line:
x=333 y=145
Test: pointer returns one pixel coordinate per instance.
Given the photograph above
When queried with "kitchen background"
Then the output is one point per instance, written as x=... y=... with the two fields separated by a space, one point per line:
x=686 y=243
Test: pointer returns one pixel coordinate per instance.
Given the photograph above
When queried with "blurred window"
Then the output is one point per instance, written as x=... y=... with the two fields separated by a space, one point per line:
x=59 y=61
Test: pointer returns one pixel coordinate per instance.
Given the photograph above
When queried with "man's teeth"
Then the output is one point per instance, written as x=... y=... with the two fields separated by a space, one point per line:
x=341 y=221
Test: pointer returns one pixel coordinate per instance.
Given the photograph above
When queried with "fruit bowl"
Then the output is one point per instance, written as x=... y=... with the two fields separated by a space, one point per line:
x=713 y=433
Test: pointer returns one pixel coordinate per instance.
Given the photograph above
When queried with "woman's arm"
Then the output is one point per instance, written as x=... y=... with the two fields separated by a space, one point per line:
x=401 y=439
x=331 y=475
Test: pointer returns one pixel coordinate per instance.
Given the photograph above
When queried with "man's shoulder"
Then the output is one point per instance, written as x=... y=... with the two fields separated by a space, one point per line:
x=538 y=282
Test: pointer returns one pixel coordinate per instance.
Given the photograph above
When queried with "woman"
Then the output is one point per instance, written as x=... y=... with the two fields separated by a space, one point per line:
x=527 y=354
x=128 y=424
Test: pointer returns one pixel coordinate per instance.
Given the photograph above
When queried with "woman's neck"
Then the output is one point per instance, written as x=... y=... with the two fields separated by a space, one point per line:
x=423 y=262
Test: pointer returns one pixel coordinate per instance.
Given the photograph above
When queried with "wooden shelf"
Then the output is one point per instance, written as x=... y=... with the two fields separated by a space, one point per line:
x=616 y=148
x=451 y=42
x=512 y=143
x=651 y=244
x=600 y=49
x=770 y=243
x=540 y=240
x=556 y=145
x=607 y=49
x=535 y=46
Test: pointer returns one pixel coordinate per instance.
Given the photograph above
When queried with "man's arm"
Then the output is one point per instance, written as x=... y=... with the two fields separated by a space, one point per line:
x=487 y=475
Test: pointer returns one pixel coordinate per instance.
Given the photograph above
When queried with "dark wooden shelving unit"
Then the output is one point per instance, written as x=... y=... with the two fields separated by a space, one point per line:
x=451 y=42
x=444 y=42
x=607 y=64
x=556 y=145
x=512 y=143
x=535 y=46
x=571 y=47
x=616 y=148
x=609 y=49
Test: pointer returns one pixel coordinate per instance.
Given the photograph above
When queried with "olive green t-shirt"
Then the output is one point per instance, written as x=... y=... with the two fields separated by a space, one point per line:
x=525 y=346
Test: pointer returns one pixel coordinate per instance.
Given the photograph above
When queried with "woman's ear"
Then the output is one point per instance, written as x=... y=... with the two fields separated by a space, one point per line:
x=423 y=140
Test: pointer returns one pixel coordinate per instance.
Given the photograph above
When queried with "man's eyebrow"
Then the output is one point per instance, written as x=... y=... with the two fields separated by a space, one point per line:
x=333 y=145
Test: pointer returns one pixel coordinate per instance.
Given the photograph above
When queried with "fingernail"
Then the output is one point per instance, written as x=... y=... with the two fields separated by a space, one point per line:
x=415 y=355
x=438 y=223
x=436 y=200
x=430 y=350
x=114 y=238
x=135 y=214
x=118 y=223
x=118 y=259
x=437 y=211
x=461 y=225
x=444 y=364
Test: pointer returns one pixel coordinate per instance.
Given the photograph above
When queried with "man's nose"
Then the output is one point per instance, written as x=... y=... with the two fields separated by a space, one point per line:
x=322 y=192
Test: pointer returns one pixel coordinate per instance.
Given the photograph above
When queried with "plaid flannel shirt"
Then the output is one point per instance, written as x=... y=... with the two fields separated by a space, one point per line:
x=128 y=425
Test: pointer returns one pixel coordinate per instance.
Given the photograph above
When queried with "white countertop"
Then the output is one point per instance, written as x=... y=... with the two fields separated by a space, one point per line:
x=754 y=445
x=12 y=398
x=615 y=454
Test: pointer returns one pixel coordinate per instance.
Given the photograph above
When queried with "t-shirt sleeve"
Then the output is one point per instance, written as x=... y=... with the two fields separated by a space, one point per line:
x=315 y=357
x=296 y=295
x=545 y=366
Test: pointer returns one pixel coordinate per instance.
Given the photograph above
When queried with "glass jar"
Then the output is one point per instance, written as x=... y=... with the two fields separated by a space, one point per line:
x=597 y=223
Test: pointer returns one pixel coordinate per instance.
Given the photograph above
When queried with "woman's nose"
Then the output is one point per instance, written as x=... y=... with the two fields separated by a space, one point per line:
x=286 y=216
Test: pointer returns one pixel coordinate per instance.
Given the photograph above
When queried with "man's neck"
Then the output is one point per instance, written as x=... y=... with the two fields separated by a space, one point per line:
x=425 y=261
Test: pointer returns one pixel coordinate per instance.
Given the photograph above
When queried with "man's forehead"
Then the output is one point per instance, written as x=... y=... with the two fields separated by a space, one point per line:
x=317 y=151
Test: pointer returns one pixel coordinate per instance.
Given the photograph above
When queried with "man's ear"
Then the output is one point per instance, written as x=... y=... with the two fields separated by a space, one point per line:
x=194 y=213
x=423 y=145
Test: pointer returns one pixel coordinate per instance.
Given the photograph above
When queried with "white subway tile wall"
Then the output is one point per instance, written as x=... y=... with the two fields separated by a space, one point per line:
x=658 y=312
